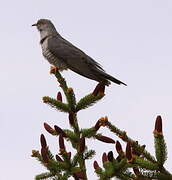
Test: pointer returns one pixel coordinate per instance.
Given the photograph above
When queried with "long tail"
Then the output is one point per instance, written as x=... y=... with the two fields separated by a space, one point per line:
x=111 y=78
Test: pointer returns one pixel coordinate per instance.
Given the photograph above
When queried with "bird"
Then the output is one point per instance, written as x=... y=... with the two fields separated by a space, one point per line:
x=64 y=55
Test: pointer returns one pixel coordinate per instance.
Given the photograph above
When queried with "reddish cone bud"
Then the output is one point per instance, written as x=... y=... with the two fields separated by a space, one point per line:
x=43 y=141
x=58 y=158
x=61 y=143
x=59 y=131
x=49 y=128
x=97 y=126
x=105 y=139
x=104 y=158
x=128 y=152
x=158 y=125
x=79 y=175
x=100 y=88
x=82 y=145
x=96 y=165
x=96 y=90
x=44 y=155
x=59 y=96
x=71 y=118
x=118 y=147
x=110 y=156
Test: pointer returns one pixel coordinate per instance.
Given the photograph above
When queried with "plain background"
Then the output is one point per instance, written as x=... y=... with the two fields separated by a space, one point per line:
x=133 y=42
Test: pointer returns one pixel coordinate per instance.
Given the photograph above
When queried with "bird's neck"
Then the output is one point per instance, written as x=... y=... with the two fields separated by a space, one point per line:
x=43 y=39
x=45 y=35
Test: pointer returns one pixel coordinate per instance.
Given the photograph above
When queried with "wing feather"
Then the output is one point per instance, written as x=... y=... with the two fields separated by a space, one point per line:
x=74 y=58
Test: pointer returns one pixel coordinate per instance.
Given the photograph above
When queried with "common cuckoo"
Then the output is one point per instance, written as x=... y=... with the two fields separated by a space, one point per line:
x=64 y=55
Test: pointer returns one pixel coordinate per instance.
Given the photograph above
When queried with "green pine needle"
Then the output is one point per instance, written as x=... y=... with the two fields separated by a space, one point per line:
x=124 y=137
x=148 y=156
x=122 y=165
x=50 y=155
x=70 y=96
x=87 y=101
x=120 y=168
x=145 y=164
x=56 y=166
x=74 y=161
x=56 y=104
x=44 y=176
x=160 y=149
x=126 y=175
x=89 y=154
x=88 y=132
x=71 y=136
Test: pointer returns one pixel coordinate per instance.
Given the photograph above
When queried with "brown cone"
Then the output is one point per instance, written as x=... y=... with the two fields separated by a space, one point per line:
x=158 y=125
x=95 y=164
x=61 y=143
x=100 y=88
x=48 y=128
x=105 y=139
x=44 y=155
x=43 y=141
x=110 y=156
x=59 y=96
x=59 y=131
x=104 y=158
x=118 y=147
x=128 y=152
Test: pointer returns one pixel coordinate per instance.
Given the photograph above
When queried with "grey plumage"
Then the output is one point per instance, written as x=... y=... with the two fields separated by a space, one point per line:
x=64 y=55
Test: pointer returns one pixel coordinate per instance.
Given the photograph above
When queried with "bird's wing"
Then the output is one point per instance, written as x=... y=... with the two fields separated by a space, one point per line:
x=78 y=61
x=73 y=57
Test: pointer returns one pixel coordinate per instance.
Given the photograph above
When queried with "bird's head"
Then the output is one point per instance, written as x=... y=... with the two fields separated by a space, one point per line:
x=45 y=27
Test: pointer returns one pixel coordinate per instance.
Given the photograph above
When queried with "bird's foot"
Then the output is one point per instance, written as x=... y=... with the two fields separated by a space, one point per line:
x=53 y=69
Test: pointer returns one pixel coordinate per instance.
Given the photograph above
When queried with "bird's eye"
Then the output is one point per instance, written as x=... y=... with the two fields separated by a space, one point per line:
x=40 y=29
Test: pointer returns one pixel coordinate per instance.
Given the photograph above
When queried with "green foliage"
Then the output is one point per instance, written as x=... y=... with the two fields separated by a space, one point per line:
x=90 y=132
x=160 y=149
x=65 y=165
x=148 y=156
x=71 y=136
x=88 y=101
x=44 y=176
x=145 y=164
x=56 y=104
x=89 y=154
x=71 y=99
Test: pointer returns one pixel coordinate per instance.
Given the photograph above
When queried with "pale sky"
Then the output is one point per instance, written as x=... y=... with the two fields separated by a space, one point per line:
x=133 y=42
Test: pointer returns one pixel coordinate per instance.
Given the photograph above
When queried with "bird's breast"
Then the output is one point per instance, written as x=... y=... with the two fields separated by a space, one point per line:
x=52 y=59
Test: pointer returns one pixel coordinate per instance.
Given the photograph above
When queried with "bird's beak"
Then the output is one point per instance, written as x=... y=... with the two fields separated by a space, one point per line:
x=34 y=24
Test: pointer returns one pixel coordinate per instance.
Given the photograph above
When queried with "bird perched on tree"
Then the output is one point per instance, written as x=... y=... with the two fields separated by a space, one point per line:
x=64 y=55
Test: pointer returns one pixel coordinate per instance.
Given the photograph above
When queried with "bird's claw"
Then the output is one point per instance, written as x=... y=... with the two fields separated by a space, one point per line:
x=53 y=69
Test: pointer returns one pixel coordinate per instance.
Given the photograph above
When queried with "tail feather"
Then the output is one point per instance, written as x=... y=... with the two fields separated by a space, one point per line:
x=111 y=78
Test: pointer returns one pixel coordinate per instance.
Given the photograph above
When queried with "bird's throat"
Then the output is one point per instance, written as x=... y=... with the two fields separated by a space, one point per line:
x=43 y=39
